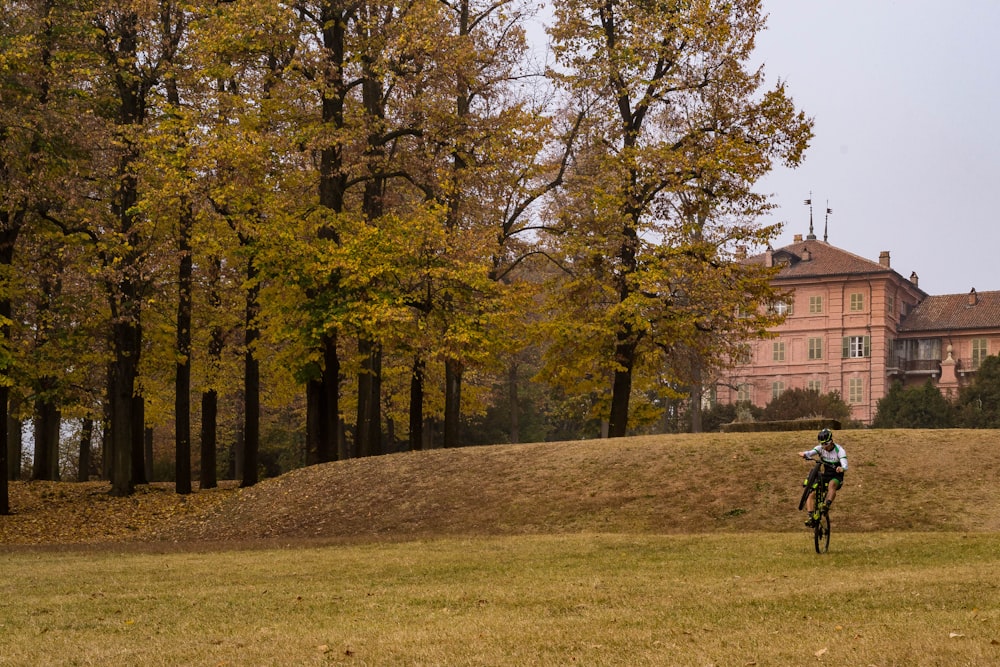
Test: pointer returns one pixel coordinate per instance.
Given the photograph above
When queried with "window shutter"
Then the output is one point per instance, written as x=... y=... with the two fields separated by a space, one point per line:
x=868 y=346
x=847 y=347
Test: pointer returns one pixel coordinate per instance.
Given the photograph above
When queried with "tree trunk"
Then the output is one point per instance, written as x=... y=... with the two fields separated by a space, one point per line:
x=47 y=421
x=84 y=462
x=323 y=442
x=251 y=382
x=141 y=472
x=452 y=402
x=120 y=431
x=182 y=380
x=621 y=390
x=696 y=393
x=209 y=439
x=7 y=238
x=323 y=432
x=316 y=437
x=147 y=452
x=334 y=446
x=369 y=425
x=417 y=405
x=15 y=440
x=5 y=467
x=210 y=398
x=515 y=421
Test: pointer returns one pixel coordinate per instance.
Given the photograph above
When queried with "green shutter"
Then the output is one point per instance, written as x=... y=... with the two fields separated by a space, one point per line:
x=847 y=346
x=868 y=346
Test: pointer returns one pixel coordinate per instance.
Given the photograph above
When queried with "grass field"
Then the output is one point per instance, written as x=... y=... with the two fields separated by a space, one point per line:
x=729 y=599
x=649 y=551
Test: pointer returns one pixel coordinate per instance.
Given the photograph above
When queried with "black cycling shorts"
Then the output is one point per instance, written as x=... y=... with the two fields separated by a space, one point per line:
x=831 y=474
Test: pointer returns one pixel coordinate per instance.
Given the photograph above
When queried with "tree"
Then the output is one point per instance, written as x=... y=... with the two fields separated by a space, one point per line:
x=979 y=403
x=672 y=110
x=913 y=407
x=803 y=403
x=120 y=51
x=40 y=129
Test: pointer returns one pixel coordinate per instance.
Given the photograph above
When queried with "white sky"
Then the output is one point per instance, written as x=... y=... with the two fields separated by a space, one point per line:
x=905 y=96
x=906 y=101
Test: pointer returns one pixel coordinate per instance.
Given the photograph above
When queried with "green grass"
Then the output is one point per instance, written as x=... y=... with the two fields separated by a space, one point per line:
x=588 y=599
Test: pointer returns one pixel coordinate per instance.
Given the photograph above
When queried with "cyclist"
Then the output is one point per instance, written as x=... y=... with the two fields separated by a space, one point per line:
x=833 y=474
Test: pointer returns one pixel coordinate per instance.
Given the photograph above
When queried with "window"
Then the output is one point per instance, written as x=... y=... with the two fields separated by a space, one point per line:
x=708 y=399
x=855 y=390
x=778 y=353
x=857 y=347
x=815 y=385
x=890 y=304
x=815 y=304
x=743 y=394
x=815 y=348
x=979 y=352
x=929 y=349
x=776 y=389
x=922 y=349
x=783 y=307
x=857 y=302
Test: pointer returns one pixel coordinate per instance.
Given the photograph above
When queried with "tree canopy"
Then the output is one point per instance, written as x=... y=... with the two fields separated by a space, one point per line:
x=353 y=228
x=914 y=407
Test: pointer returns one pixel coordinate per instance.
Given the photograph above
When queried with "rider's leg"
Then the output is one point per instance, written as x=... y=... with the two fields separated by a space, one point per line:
x=811 y=502
x=831 y=491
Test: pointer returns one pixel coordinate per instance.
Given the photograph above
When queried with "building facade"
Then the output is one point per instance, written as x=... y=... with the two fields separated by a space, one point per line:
x=855 y=326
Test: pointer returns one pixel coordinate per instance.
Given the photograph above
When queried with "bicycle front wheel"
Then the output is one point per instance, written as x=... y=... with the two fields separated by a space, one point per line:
x=810 y=481
x=821 y=533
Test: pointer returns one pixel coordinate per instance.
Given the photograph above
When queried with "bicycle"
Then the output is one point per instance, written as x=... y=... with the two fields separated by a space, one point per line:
x=814 y=483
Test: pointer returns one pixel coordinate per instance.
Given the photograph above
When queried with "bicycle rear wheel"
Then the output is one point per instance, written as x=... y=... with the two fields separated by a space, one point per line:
x=821 y=533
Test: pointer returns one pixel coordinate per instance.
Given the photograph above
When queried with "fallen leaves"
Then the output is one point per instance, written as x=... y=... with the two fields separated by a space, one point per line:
x=59 y=513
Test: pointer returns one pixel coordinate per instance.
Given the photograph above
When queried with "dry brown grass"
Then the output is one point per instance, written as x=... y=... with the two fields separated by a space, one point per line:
x=900 y=480
x=683 y=550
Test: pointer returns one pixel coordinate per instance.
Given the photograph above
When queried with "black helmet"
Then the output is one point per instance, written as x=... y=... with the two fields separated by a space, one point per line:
x=825 y=436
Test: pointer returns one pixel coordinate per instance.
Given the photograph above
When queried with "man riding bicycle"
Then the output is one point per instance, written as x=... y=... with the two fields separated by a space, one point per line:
x=835 y=457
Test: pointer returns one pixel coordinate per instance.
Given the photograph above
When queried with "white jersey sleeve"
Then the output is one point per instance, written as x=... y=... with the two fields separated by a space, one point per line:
x=836 y=456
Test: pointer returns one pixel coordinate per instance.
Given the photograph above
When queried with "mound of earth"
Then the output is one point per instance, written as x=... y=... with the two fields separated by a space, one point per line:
x=898 y=480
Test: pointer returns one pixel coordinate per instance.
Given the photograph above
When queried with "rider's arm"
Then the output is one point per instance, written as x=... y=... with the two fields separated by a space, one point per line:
x=843 y=460
x=809 y=452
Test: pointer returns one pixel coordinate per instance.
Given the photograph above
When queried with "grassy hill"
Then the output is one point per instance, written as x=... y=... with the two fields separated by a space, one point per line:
x=941 y=480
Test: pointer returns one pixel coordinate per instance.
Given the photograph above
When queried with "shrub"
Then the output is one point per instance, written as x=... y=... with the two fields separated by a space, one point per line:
x=914 y=407
x=979 y=403
x=803 y=403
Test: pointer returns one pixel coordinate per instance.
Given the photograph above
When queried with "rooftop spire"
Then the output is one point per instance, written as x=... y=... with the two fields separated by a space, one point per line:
x=809 y=203
x=826 y=222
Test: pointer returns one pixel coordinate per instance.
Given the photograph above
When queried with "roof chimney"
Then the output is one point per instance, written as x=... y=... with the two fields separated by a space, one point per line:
x=741 y=252
x=914 y=279
x=807 y=254
x=883 y=258
x=798 y=238
x=769 y=258
x=973 y=297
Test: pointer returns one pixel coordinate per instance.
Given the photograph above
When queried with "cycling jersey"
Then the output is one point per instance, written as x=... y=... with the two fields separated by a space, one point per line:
x=836 y=456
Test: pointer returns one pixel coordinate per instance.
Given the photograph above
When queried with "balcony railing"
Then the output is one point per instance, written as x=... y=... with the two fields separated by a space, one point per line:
x=915 y=366
x=928 y=366
x=968 y=365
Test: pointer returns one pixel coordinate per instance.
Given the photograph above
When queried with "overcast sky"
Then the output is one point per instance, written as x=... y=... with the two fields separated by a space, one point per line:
x=906 y=101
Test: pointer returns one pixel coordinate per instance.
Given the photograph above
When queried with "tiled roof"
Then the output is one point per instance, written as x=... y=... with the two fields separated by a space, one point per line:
x=954 y=311
x=813 y=258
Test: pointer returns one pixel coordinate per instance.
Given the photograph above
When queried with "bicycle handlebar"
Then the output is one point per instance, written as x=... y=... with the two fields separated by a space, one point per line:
x=826 y=463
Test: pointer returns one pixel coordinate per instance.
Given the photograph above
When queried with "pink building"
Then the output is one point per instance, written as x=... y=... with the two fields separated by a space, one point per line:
x=855 y=326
